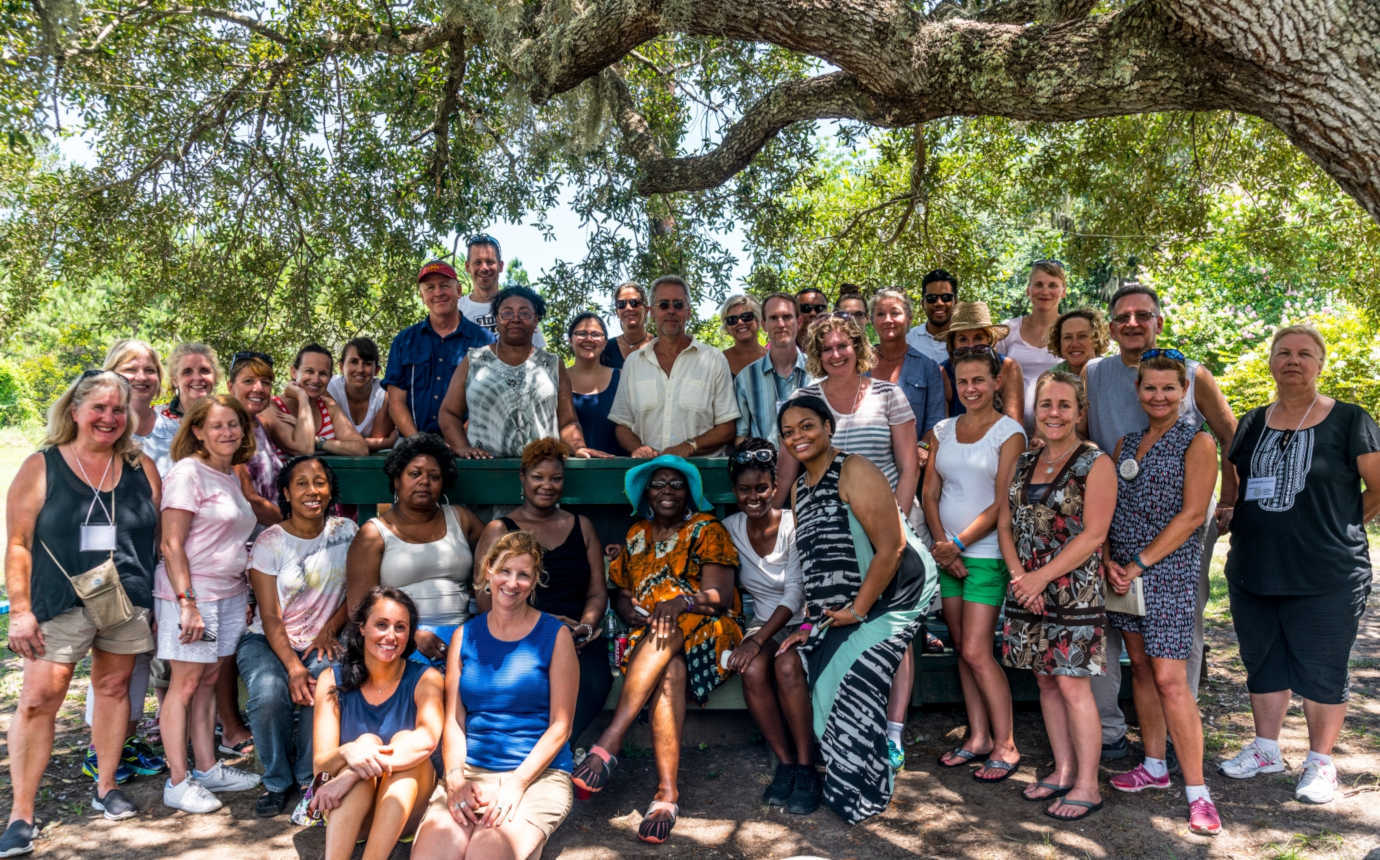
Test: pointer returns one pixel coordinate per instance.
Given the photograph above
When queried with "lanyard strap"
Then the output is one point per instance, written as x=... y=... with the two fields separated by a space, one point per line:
x=96 y=497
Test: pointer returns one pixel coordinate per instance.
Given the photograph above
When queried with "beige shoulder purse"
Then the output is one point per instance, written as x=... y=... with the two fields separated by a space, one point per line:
x=99 y=588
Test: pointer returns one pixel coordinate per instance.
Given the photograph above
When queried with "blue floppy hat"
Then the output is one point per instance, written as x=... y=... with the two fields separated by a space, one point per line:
x=635 y=482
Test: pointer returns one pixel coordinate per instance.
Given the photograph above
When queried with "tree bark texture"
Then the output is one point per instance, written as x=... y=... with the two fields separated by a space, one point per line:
x=1309 y=67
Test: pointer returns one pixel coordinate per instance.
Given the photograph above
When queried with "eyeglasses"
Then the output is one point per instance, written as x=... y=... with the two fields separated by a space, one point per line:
x=249 y=355
x=936 y=298
x=587 y=335
x=508 y=315
x=813 y=309
x=744 y=317
x=1167 y=353
x=758 y=455
x=982 y=350
x=483 y=239
x=628 y=303
x=673 y=483
x=1134 y=316
x=667 y=304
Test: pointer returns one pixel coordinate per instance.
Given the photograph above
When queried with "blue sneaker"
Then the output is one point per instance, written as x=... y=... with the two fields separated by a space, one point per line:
x=895 y=755
x=141 y=758
x=123 y=773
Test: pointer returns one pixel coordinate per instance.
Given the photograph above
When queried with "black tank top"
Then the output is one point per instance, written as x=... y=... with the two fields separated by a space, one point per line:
x=567 y=574
x=59 y=527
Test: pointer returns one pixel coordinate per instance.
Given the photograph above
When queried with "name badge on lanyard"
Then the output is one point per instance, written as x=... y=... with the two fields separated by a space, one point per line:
x=98 y=538
x=1260 y=488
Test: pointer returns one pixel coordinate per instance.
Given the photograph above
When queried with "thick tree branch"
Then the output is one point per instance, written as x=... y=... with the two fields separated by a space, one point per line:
x=456 y=56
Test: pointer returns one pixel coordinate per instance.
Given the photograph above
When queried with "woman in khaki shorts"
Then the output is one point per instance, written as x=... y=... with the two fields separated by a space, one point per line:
x=511 y=681
x=87 y=496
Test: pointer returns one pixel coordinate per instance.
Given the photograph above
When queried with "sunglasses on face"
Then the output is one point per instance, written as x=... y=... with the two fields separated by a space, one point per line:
x=248 y=355
x=1167 y=353
x=674 y=484
x=1134 y=316
x=628 y=303
x=814 y=309
x=744 y=317
x=936 y=298
x=667 y=304
x=766 y=456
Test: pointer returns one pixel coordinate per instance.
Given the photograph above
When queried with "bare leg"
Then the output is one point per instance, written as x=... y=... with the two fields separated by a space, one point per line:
x=1056 y=721
x=994 y=700
x=440 y=836
x=902 y=684
x=794 y=695
x=233 y=729
x=31 y=730
x=1180 y=713
x=1267 y=710
x=175 y=715
x=762 y=705
x=645 y=670
x=396 y=807
x=1324 y=725
x=668 y=721
x=1147 y=699
x=515 y=840
x=979 y=738
x=344 y=822
x=1086 y=733
x=202 y=718
x=110 y=682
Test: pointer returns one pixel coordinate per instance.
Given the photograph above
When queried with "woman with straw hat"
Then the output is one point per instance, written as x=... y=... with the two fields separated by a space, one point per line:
x=971 y=328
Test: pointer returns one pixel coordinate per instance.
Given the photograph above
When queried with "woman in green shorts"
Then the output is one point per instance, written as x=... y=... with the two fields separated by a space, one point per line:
x=973 y=455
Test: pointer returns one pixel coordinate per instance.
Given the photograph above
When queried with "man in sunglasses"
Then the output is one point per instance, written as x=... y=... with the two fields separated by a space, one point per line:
x=1114 y=410
x=939 y=295
x=423 y=356
x=676 y=393
x=810 y=305
x=764 y=385
x=484 y=265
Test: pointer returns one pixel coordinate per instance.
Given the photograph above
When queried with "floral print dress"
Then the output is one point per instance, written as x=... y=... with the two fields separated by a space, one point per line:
x=654 y=571
x=1068 y=638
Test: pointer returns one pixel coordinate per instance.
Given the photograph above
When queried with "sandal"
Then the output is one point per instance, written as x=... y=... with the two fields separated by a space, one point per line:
x=1055 y=791
x=1006 y=767
x=1087 y=806
x=240 y=750
x=656 y=830
x=963 y=756
x=591 y=775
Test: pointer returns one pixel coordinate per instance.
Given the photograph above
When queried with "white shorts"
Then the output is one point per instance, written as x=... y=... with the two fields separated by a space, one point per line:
x=224 y=619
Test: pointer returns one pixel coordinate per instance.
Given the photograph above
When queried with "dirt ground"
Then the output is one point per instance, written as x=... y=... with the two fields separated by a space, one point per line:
x=935 y=813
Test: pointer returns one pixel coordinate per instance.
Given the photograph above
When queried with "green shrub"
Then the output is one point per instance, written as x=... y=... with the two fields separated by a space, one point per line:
x=16 y=403
x=1351 y=374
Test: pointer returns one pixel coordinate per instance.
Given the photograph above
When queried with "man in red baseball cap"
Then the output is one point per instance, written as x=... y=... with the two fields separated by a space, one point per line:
x=424 y=355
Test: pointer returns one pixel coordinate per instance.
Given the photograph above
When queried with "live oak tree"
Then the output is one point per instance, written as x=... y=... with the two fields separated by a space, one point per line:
x=258 y=170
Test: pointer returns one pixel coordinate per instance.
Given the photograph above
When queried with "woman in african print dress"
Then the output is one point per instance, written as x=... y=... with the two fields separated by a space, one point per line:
x=866 y=584
x=673 y=585
x=1061 y=501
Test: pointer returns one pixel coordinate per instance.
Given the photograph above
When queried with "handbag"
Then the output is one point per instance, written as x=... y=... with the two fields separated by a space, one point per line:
x=1130 y=603
x=99 y=589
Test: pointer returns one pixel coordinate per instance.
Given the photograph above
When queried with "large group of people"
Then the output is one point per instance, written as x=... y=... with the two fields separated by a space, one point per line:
x=423 y=675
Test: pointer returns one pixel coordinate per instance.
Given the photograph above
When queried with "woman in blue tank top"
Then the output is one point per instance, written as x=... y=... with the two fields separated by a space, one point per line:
x=377 y=728
x=511 y=682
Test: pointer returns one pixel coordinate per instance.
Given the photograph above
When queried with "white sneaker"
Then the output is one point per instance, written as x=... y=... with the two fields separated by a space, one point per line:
x=1318 y=783
x=223 y=777
x=1251 y=761
x=189 y=796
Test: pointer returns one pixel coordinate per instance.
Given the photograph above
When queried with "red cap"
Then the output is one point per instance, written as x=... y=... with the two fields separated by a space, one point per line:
x=437 y=267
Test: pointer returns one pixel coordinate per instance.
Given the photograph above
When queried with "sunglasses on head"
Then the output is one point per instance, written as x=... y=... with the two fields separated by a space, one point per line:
x=1173 y=354
x=667 y=304
x=628 y=303
x=982 y=350
x=744 y=317
x=757 y=455
x=482 y=239
x=813 y=309
x=936 y=298
x=1048 y=261
x=249 y=355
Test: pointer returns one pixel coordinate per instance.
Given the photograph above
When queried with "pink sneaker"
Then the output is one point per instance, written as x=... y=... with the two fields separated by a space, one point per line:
x=1138 y=779
x=1203 y=818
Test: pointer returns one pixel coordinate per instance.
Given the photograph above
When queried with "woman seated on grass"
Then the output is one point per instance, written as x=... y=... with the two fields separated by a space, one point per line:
x=378 y=722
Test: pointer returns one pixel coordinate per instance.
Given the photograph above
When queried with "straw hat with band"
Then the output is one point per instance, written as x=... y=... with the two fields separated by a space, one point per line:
x=971 y=316
x=636 y=479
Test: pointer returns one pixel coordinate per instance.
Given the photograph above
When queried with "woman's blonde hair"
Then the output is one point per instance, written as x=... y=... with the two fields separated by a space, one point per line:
x=1100 y=338
x=185 y=443
x=1080 y=394
x=180 y=353
x=126 y=348
x=62 y=426
x=814 y=342
x=513 y=543
x=891 y=293
x=1305 y=330
x=732 y=302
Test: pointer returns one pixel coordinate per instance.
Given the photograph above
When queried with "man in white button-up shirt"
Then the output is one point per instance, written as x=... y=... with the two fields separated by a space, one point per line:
x=676 y=393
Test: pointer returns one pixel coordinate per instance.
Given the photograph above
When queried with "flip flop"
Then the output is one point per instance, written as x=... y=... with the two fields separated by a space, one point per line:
x=963 y=756
x=656 y=830
x=1055 y=791
x=1006 y=767
x=591 y=775
x=1088 y=806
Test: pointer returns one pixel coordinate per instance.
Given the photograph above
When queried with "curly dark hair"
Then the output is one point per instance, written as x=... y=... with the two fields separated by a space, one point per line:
x=352 y=671
x=738 y=463
x=421 y=445
x=518 y=291
x=285 y=478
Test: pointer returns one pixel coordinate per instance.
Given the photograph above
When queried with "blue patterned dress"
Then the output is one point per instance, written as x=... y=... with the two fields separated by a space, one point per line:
x=1144 y=506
